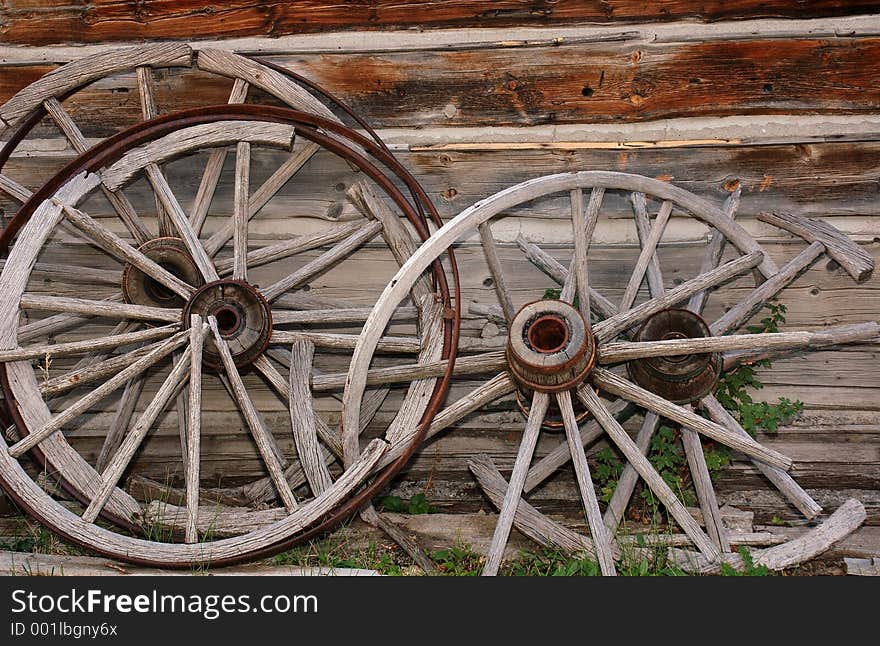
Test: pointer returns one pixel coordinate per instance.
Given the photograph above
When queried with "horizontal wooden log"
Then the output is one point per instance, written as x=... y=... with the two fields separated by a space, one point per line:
x=598 y=82
x=45 y=23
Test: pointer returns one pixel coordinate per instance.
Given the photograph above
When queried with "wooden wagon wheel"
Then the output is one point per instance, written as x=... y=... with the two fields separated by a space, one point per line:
x=191 y=316
x=565 y=357
x=158 y=78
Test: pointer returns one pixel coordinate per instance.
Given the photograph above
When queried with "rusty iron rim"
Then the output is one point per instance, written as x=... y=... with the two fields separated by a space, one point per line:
x=312 y=128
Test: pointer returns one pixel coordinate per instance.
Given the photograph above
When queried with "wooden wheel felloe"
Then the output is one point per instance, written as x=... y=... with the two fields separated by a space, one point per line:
x=160 y=336
x=660 y=334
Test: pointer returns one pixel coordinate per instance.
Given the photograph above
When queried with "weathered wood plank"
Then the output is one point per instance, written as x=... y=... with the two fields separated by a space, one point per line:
x=115 y=20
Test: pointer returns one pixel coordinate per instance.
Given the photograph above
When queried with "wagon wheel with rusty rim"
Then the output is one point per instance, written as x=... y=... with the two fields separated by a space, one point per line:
x=583 y=360
x=152 y=79
x=190 y=314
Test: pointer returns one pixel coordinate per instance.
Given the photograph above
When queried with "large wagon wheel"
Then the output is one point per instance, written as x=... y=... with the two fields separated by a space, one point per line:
x=191 y=317
x=563 y=357
x=154 y=79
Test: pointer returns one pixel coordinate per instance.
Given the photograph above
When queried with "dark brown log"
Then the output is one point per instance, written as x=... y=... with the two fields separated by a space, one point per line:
x=574 y=83
x=42 y=23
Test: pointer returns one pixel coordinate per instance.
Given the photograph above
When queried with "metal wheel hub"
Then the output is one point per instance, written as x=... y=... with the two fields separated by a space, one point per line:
x=170 y=254
x=680 y=379
x=549 y=347
x=243 y=318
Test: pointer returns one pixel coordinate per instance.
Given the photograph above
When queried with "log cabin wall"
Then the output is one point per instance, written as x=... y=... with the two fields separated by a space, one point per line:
x=780 y=97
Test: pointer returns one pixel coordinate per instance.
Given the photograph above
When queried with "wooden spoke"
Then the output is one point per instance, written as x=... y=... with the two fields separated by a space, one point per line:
x=349 y=315
x=107 y=309
x=295 y=245
x=647 y=258
x=780 y=479
x=117 y=199
x=626 y=483
x=601 y=538
x=643 y=467
x=322 y=262
x=477 y=364
x=616 y=385
x=739 y=314
x=240 y=213
x=252 y=417
x=161 y=351
x=328 y=436
x=619 y=351
x=119 y=248
x=264 y=193
x=418 y=394
x=149 y=110
x=497 y=272
x=831 y=335
x=213 y=168
x=714 y=250
x=181 y=223
x=393 y=344
x=14 y=189
x=121 y=422
x=550 y=266
x=52 y=325
x=394 y=232
x=589 y=432
x=81 y=347
x=611 y=327
x=643 y=228
x=194 y=427
x=531 y=432
x=73 y=274
x=302 y=418
x=111 y=475
x=583 y=226
x=696 y=459
x=94 y=371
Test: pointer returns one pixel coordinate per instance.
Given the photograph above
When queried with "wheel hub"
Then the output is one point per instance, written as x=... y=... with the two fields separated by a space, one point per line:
x=244 y=320
x=170 y=254
x=549 y=347
x=681 y=379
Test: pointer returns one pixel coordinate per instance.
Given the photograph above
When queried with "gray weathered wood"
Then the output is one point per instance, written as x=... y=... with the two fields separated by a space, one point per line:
x=181 y=223
x=161 y=350
x=583 y=227
x=862 y=567
x=213 y=167
x=780 y=479
x=739 y=314
x=149 y=110
x=302 y=418
x=339 y=315
x=399 y=536
x=616 y=385
x=617 y=352
x=696 y=459
x=641 y=464
x=294 y=245
x=611 y=327
x=121 y=421
x=626 y=483
x=393 y=344
x=241 y=213
x=512 y=497
x=194 y=428
x=266 y=190
x=601 y=537
x=252 y=417
x=90 y=345
x=106 y=309
x=857 y=262
x=550 y=266
x=496 y=270
x=323 y=262
x=135 y=437
x=119 y=248
x=715 y=249
x=647 y=258
x=92 y=68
